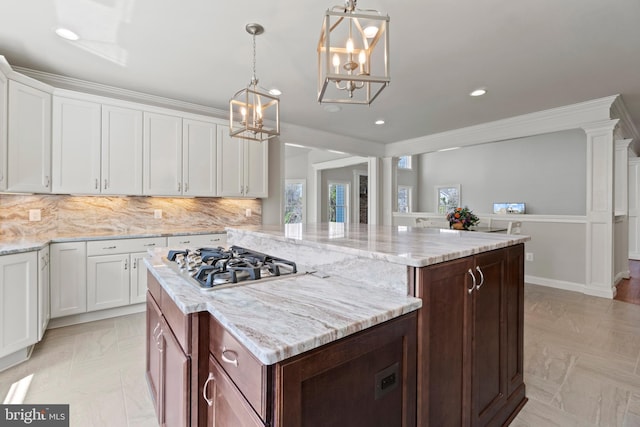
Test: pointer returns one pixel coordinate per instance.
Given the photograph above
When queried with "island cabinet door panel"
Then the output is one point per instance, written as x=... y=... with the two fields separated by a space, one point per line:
x=444 y=339
x=153 y=368
x=489 y=351
x=175 y=379
x=515 y=318
x=226 y=405
x=367 y=379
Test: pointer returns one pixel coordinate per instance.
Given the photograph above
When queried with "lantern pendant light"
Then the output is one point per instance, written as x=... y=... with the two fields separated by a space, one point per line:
x=254 y=113
x=353 y=55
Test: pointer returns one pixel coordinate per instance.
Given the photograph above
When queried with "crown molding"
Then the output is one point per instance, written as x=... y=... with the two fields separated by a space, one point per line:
x=627 y=128
x=568 y=117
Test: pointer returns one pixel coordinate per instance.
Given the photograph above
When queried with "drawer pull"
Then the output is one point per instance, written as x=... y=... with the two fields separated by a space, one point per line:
x=225 y=359
x=186 y=242
x=204 y=390
x=150 y=244
x=110 y=247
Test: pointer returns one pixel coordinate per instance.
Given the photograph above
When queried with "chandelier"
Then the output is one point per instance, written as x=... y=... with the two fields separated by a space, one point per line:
x=254 y=114
x=353 y=55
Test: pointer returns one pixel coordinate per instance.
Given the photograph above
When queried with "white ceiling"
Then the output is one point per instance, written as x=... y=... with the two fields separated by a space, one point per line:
x=530 y=54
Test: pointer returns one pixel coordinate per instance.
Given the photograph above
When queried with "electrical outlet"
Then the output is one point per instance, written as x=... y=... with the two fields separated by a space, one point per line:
x=35 y=215
x=529 y=256
x=247 y=213
x=157 y=213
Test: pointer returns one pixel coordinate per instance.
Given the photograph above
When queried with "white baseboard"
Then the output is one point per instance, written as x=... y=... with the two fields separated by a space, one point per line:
x=96 y=315
x=569 y=286
x=16 y=358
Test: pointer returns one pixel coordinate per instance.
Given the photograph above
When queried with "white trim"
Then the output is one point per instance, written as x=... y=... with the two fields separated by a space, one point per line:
x=556 y=119
x=340 y=163
x=96 y=315
x=569 y=286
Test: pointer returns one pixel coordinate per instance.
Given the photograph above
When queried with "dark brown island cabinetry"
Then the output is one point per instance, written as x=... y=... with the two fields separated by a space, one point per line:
x=200 y=375
x=470 y=331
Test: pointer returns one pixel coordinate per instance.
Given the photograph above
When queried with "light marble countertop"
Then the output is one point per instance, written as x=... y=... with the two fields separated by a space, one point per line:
x=280 y=318
x=410 y=246
x=11 y=245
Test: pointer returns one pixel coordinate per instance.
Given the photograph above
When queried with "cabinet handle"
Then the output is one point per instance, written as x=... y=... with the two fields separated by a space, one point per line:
x=110 y=247
x=48 y=181
x=135 y=264
x=481 y=278
x=1 y=177
x=204 y=389
x=150 y=244
x=186 y=242
x=106 y=184
x=126 y=264
x=96 y=183
x=179 y=187
x=473 y=285
x=159 y=341
x=186 y=187
x=225 y=359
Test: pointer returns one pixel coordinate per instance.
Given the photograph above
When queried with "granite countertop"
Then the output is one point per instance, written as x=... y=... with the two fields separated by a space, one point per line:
x=11 y=245
x=410 y=246
x=280 y=318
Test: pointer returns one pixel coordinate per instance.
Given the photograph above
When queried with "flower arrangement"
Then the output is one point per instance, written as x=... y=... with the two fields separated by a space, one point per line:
x=462 y=218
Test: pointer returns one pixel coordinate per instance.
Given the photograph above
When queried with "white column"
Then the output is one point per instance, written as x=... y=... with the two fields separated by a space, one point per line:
x=389 y=187
x=600 y=274
x=375 y=178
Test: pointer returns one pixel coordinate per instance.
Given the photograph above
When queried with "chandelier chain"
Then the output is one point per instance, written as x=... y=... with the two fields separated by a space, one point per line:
x=254 y=79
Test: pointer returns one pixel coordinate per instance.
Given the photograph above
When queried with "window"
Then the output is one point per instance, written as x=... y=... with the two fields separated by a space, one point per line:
x=448 y=197
x=294 y=201
x=404 y=199
x=338 y=202
x=404 y=162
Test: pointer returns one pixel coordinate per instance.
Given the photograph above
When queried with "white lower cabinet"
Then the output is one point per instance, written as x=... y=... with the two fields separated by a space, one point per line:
x=68 y=278
x=107 y=281
x=18 y=302
x=116 y=273
x=44 y=300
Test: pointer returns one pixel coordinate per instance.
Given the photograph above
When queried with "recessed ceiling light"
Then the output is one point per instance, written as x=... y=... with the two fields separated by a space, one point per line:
x=67 y=34
x=275 y=92
x=370 y=31
x=380 y=122
x=332 y=108
x=478 y=92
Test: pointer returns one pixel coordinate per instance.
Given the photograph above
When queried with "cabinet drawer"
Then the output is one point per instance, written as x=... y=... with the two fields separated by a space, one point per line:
x=122 y=246
x=179 y=322
x=195 y=241
x=247 y=373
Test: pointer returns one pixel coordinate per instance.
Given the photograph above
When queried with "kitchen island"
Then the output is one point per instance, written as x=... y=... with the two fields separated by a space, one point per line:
x=350 y=339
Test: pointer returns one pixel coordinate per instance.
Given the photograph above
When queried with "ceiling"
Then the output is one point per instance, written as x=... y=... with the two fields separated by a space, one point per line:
x=531 y=55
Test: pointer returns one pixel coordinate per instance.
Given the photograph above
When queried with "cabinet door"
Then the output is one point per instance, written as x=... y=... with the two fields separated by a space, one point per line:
x=44 y=310
x=107 y=281
x=199 y=168
x=18 y=302
x=162 y=154
x=154 y=354
x=226 y=405
x=138 y=275
x=230 y=164
x=489 y=389
x=29 y=143
x=175 y=381
x=121 y=151
x=75 y=148
x=68 y=278
x=4 y=89
x=256 y=171
x=443 y=343
x=514 y=282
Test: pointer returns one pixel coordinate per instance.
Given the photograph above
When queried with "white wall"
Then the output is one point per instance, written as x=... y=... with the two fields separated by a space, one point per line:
x=547 y=172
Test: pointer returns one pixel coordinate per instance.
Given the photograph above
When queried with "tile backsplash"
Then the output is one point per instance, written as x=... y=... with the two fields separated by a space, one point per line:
x=64 y=215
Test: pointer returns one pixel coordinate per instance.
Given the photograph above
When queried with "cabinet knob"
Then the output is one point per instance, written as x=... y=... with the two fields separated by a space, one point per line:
x=481 y=278
x=225 y=359
x=204 y=390
x=473 y=284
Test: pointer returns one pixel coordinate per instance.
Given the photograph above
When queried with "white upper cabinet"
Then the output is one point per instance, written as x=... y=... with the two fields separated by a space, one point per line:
x=199 y=158
x=121 y=150
x=29 y=139
x=242 y=166
x=76 y=146
x=162 y=154
x=4 y=89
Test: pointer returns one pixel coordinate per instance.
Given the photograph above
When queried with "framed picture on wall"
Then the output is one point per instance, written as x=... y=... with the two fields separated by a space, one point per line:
x=447 y=197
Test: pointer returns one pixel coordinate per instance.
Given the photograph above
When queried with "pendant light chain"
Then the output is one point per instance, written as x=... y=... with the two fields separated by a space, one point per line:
x=254 y=79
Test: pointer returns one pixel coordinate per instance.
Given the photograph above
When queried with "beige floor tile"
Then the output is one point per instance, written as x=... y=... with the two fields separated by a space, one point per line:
x=538 y=414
